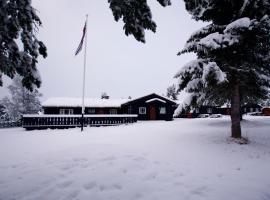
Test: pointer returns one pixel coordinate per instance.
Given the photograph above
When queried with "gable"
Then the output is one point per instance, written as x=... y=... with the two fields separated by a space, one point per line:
x=150 y=98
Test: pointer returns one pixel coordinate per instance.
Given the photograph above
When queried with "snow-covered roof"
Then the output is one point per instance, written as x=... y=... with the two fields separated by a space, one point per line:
x=88 y=102
x=155 y=99
x=152 y=94
x=225 y=106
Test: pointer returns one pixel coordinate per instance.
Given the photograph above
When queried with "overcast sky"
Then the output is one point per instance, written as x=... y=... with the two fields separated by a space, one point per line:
x=116 y=64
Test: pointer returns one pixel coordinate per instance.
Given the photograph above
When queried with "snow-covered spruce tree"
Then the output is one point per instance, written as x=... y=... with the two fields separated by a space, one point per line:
x=21 y=100
x=233 y=50
x=171 y=92
x=233 y=54
x=136 y=16
x=19 y=47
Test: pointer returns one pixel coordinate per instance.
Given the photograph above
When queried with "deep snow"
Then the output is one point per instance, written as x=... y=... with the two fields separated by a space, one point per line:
x=187 y=159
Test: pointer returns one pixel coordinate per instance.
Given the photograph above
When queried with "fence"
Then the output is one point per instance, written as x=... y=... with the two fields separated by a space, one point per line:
x=65 y=121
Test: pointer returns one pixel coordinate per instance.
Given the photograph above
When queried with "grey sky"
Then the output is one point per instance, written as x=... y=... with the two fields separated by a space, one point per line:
x=116 y=64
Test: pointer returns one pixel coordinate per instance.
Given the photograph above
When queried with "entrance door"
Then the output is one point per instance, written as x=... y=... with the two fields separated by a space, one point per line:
x=153 y=113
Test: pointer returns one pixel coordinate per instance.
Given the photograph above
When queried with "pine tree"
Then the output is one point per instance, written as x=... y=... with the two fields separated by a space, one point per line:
x=21 y=100
x=233 y=55
x=19 y=47
x=3 y=114
x=171 y=92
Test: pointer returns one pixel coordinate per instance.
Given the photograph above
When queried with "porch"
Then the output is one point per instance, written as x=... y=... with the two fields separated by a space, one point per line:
x=68 y=121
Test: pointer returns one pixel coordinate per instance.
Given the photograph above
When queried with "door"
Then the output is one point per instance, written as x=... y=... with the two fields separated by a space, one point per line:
x=153 y=113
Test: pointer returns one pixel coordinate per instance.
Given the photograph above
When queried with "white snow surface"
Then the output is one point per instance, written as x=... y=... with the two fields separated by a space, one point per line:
x=186 y=159
x=238 y=24
x=88 y=102
x=220 y=76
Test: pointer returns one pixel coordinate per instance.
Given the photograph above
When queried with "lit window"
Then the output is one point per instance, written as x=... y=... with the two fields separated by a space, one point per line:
x=197 y=110
x=251 y=109
x=209 y=110
x=142 y=110
x=66 y=111
x=113 y=111
x=162 y=110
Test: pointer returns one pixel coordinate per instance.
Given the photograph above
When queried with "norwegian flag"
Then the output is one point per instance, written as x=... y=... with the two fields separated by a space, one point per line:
x=81 y=43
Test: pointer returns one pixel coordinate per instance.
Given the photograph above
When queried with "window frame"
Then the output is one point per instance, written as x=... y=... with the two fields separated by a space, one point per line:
x=66 y=111
x=142 y=110
x=163 y=110
x=129 y=109
x=113 y=111
x=92 y=109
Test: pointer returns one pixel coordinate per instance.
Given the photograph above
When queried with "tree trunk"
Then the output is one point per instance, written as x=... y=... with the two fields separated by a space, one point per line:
x=235 y=112
x=241 y=113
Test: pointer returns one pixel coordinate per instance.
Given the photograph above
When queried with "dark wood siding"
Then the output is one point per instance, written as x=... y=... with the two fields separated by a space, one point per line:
x=152 y=108
x=266 y=111
x=78 y=110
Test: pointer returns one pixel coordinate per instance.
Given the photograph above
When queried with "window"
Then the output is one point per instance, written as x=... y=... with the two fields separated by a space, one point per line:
x=113 y=111
x=197 y=110
x=66 y=111
x=130 y=110
x=209 y=110
x=251 y=109
x=162 y=110
x=91 y=111
x=142 y=110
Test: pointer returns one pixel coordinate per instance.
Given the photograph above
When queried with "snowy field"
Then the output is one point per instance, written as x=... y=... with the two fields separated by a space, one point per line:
x=186 y=159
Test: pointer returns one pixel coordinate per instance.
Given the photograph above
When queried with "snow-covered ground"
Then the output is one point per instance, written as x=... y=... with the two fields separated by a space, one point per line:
x=186 y=159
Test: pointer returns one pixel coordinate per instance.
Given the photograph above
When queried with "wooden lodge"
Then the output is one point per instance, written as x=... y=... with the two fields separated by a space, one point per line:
x=66 y=112
x=151 y=107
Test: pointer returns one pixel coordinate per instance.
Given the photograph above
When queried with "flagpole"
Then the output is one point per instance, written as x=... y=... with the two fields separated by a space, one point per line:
x=84 y=67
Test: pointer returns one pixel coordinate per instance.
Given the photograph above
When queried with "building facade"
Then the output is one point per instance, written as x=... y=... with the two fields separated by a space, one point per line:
x=149 y=107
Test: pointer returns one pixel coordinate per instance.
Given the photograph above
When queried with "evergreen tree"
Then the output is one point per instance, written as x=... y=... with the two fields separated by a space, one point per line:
x=19 y=47
x=136 y=15
x=171 y=92
x=21 y=100
x=3 y=114
x=233 y=55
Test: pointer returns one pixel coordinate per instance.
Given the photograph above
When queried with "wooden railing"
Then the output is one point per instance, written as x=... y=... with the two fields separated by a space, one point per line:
x=65 y=121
